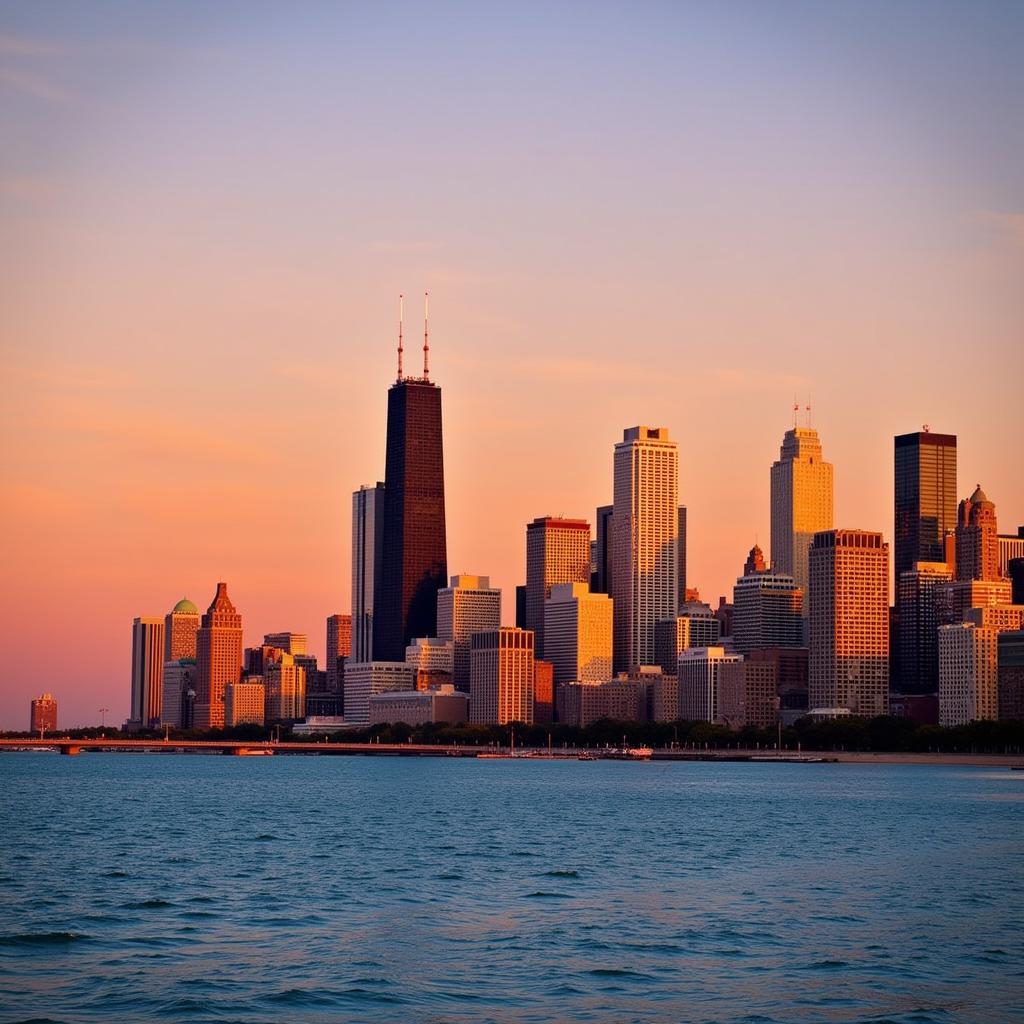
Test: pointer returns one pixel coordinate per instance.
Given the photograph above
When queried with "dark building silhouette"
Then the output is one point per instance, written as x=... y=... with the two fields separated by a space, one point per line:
x=925 y=497
x=415 y=564
x=1016 y=567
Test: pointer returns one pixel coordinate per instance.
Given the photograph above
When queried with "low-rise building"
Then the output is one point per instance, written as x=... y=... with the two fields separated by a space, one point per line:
x=364 y=679
x=244 y=703
x=748 y=694
x=419 y=707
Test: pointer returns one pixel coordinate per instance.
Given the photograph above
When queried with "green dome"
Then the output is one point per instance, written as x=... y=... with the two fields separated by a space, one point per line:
x=184 y=607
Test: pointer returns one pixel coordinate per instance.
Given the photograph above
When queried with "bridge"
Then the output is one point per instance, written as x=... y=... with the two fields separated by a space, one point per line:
x=71 y=747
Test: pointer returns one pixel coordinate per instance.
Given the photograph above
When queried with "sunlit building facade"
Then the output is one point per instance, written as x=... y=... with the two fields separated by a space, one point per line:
x=147 y=671
x=578 y=633
x=468 y=605
x=557 y=551
x=501 y=677
x=218 y=659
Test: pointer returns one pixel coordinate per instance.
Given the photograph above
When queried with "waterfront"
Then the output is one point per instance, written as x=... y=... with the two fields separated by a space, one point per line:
x=322 y=889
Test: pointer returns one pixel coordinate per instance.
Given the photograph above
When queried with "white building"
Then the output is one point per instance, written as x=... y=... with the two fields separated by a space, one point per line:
x=363 y=679
x=968 y=673
x=698 y=681
x=469 y=605
x=578 y=633
x=645 y=527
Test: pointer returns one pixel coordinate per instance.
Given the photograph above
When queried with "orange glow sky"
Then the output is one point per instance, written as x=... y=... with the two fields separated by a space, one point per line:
x=624 y=214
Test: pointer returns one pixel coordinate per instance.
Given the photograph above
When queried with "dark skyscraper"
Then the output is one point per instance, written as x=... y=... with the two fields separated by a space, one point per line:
x=414 y=550
x=925 y=492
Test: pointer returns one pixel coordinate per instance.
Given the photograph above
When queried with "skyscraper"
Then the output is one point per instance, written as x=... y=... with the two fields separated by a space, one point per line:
x=180 y=627
x=694 y=626
x=697 y=671
x=801 y=501
x=415 y=561
x=218 y=659
x=602 y=581
x=925 y=497
x=284 y=682
x=367 y=563
x=681 y=559
x=339 y=647
x=767 y=612
x=147 y=671
x=919 y=593
x=977 y=539
x=468 y=605
x=645 y=525
x=557 y=551
x=849 y=622
x=501 y=677
x=578 y=633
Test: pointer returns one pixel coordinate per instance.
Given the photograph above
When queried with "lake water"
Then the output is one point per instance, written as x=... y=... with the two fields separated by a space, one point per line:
x=207 y=888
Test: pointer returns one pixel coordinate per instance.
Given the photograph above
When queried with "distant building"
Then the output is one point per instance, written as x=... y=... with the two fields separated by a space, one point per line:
x=431 y=659
x=557 y=551
x=218 y=659
x=363 y=679
x=1010 y=662
x=924 y=496
x=179 y=693
x=620 y=700
x=767 y=610
x=43 y=715
x=645 y=524
x=339 y=648
x=1010 y=547
x=724 y=613
x=748 y=694
x=918 y=590
x=468 y=605
x=977 y=539
x=602 y=580
x=290 y=643
x=284 y=682
x=180 y=627
x=790 y=667
x=543 y=692
x=968 y=673
x=501 y=677
x=419 y=707
x=801 y=502
x=694 y=626
x=922 y=708
x=664 y=697
x=953 y=600
x=681 y=557
x=1015 y=570
x=244 y=703
x=578 y=633
x=521 y=606
x=849 y=622
x=147 y=671
x=367 y=563
x=698 y=682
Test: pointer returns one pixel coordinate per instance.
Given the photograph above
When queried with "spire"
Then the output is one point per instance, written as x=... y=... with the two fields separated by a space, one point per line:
x=426 y=336
x=400 y=309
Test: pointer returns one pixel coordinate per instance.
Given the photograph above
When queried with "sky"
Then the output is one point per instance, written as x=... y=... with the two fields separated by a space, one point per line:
x=625 y=213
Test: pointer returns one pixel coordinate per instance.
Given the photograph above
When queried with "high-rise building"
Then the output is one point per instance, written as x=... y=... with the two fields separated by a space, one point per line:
x=694 y=626
x=748 y=694
x=602 y=581
x=147 y=671
x=367 y=563
x=415 y=560
x=968 y=673
x=1010 y=547
x=977 y=539
x=284 y=683
x=501 y=677
x=180 y=627
x=767 y=611
x=543 y=692
x=1015 y=570
x=218 y=659
x=698 y=670
x=431 y=660
x=290 y=643
x=557 y=551
x=1010 y=659
x=578 y=633
x=645 y=525
x=43 y=714
x=681 y=558
x=179 y=693
x=953 y=600
x=849 y=622
x=363 y=679
x=917 y=595
x=244 y=703
x=339 y=648
x=801 y=501
x=468 y=605
x=925 y=497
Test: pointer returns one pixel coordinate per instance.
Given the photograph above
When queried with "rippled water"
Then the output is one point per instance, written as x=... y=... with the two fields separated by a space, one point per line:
x=201 y=888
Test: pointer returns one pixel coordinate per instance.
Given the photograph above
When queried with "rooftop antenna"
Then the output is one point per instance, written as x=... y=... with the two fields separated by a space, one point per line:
x=401 y=305
x=807 y=407
x=796 y=409
x=426 y=336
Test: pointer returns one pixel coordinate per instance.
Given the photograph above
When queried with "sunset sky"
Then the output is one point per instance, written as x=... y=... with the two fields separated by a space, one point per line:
x=674 y=214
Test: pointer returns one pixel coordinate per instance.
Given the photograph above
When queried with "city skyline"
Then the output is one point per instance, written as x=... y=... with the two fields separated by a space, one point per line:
x=196 y=372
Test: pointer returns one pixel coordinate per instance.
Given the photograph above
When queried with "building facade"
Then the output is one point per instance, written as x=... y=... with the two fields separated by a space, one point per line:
x=290 y=643
x=1010 y=662
x=468 y=605
x=578 y=633
x=179 y=693
x=748 y=694
x=977 y=539
x=918 y=601
x=147 y=671
x=645 y=525
x=180 y=627
x=339 y=648
x=801 y=502
x=419 y=707
x=849 y=622
x=363 y=679
x=431 y=660
x=367 y=565
x=501 y=677
x=968 y=673
x=43 y=714
x=284 y=682
x=698 y=681
x=218 y=659
x=244 y=703
x=694 y=626
x=601 y=583
x=557 y=551
x=767 y=611
x=924 y=466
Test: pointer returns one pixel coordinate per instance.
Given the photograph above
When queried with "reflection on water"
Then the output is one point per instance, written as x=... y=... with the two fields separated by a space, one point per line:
x=325 y=889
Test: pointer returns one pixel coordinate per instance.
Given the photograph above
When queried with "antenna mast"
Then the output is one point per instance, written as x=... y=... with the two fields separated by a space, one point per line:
x=426 y=336
x=401 y=304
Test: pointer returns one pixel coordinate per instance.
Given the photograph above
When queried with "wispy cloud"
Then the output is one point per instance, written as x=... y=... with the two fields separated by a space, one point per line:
x=30 y=84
